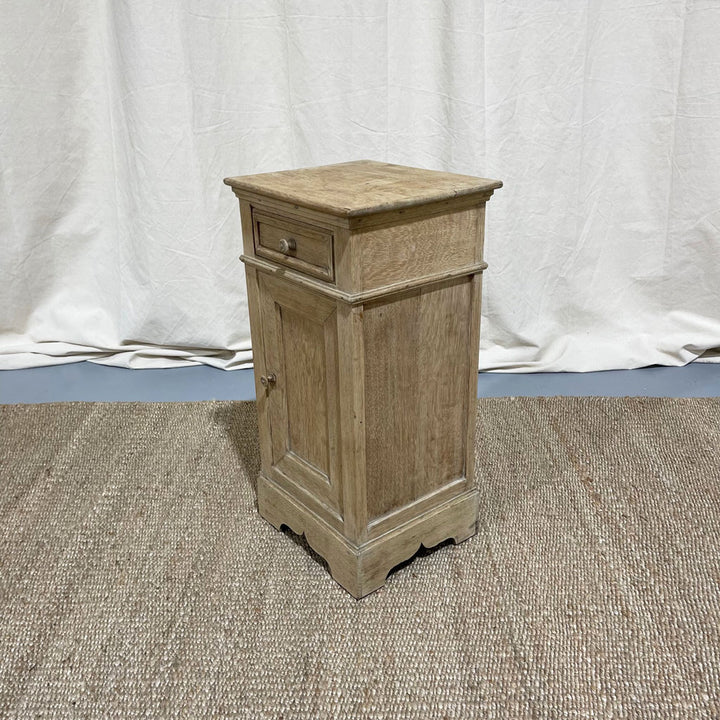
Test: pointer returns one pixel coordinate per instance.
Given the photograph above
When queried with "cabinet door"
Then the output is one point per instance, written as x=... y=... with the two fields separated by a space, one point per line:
x=300 y=342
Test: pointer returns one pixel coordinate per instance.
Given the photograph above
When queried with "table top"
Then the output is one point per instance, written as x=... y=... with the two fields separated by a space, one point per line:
x=362 y=187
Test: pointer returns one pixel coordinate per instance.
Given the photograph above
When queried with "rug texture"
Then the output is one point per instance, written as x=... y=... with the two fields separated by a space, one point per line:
x=137 y=579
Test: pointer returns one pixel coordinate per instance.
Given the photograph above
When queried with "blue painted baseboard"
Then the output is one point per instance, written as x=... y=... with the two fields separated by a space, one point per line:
x=90 y=382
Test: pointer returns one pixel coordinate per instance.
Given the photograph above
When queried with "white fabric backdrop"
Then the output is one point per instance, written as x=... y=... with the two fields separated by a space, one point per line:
x=118 y=121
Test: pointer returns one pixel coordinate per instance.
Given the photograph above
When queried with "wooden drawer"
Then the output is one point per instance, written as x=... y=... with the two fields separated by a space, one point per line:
x=303 y=247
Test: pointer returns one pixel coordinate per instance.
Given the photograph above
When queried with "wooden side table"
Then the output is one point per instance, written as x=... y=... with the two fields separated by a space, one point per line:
x=364 y=283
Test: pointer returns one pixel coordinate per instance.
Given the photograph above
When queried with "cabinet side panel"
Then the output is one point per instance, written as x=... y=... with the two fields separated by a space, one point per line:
x=416 y=401
x=445 y=316
x=419 y=248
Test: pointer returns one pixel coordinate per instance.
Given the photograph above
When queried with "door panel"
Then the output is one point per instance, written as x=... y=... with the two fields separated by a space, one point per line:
x=304 y=363
x=300 y=338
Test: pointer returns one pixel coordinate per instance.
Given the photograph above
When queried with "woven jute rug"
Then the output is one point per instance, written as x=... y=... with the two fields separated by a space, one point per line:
x=137 y=580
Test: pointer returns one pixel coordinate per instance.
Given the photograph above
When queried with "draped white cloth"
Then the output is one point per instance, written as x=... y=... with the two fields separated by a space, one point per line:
x=118 y=121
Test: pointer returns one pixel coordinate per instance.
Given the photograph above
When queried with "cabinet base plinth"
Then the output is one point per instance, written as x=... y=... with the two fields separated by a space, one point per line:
x=362 y=569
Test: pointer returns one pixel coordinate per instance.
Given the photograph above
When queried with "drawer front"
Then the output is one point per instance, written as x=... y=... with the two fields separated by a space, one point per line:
x=305 y=248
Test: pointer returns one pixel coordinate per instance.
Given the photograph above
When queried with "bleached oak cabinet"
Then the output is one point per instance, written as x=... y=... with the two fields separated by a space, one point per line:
x=364 y=284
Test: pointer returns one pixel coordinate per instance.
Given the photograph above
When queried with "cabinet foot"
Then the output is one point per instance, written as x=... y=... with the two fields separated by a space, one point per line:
x=362 y=569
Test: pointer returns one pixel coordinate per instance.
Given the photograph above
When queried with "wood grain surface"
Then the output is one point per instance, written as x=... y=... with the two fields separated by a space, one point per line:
x=361 y=187
x=368 y=346
x=416 y=394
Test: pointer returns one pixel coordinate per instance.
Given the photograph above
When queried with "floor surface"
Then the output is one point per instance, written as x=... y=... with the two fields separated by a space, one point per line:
x=137 y=576
x=90 y=382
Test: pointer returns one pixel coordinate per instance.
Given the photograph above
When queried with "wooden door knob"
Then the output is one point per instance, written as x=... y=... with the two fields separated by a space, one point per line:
x=287 y=244
x=267 y=380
